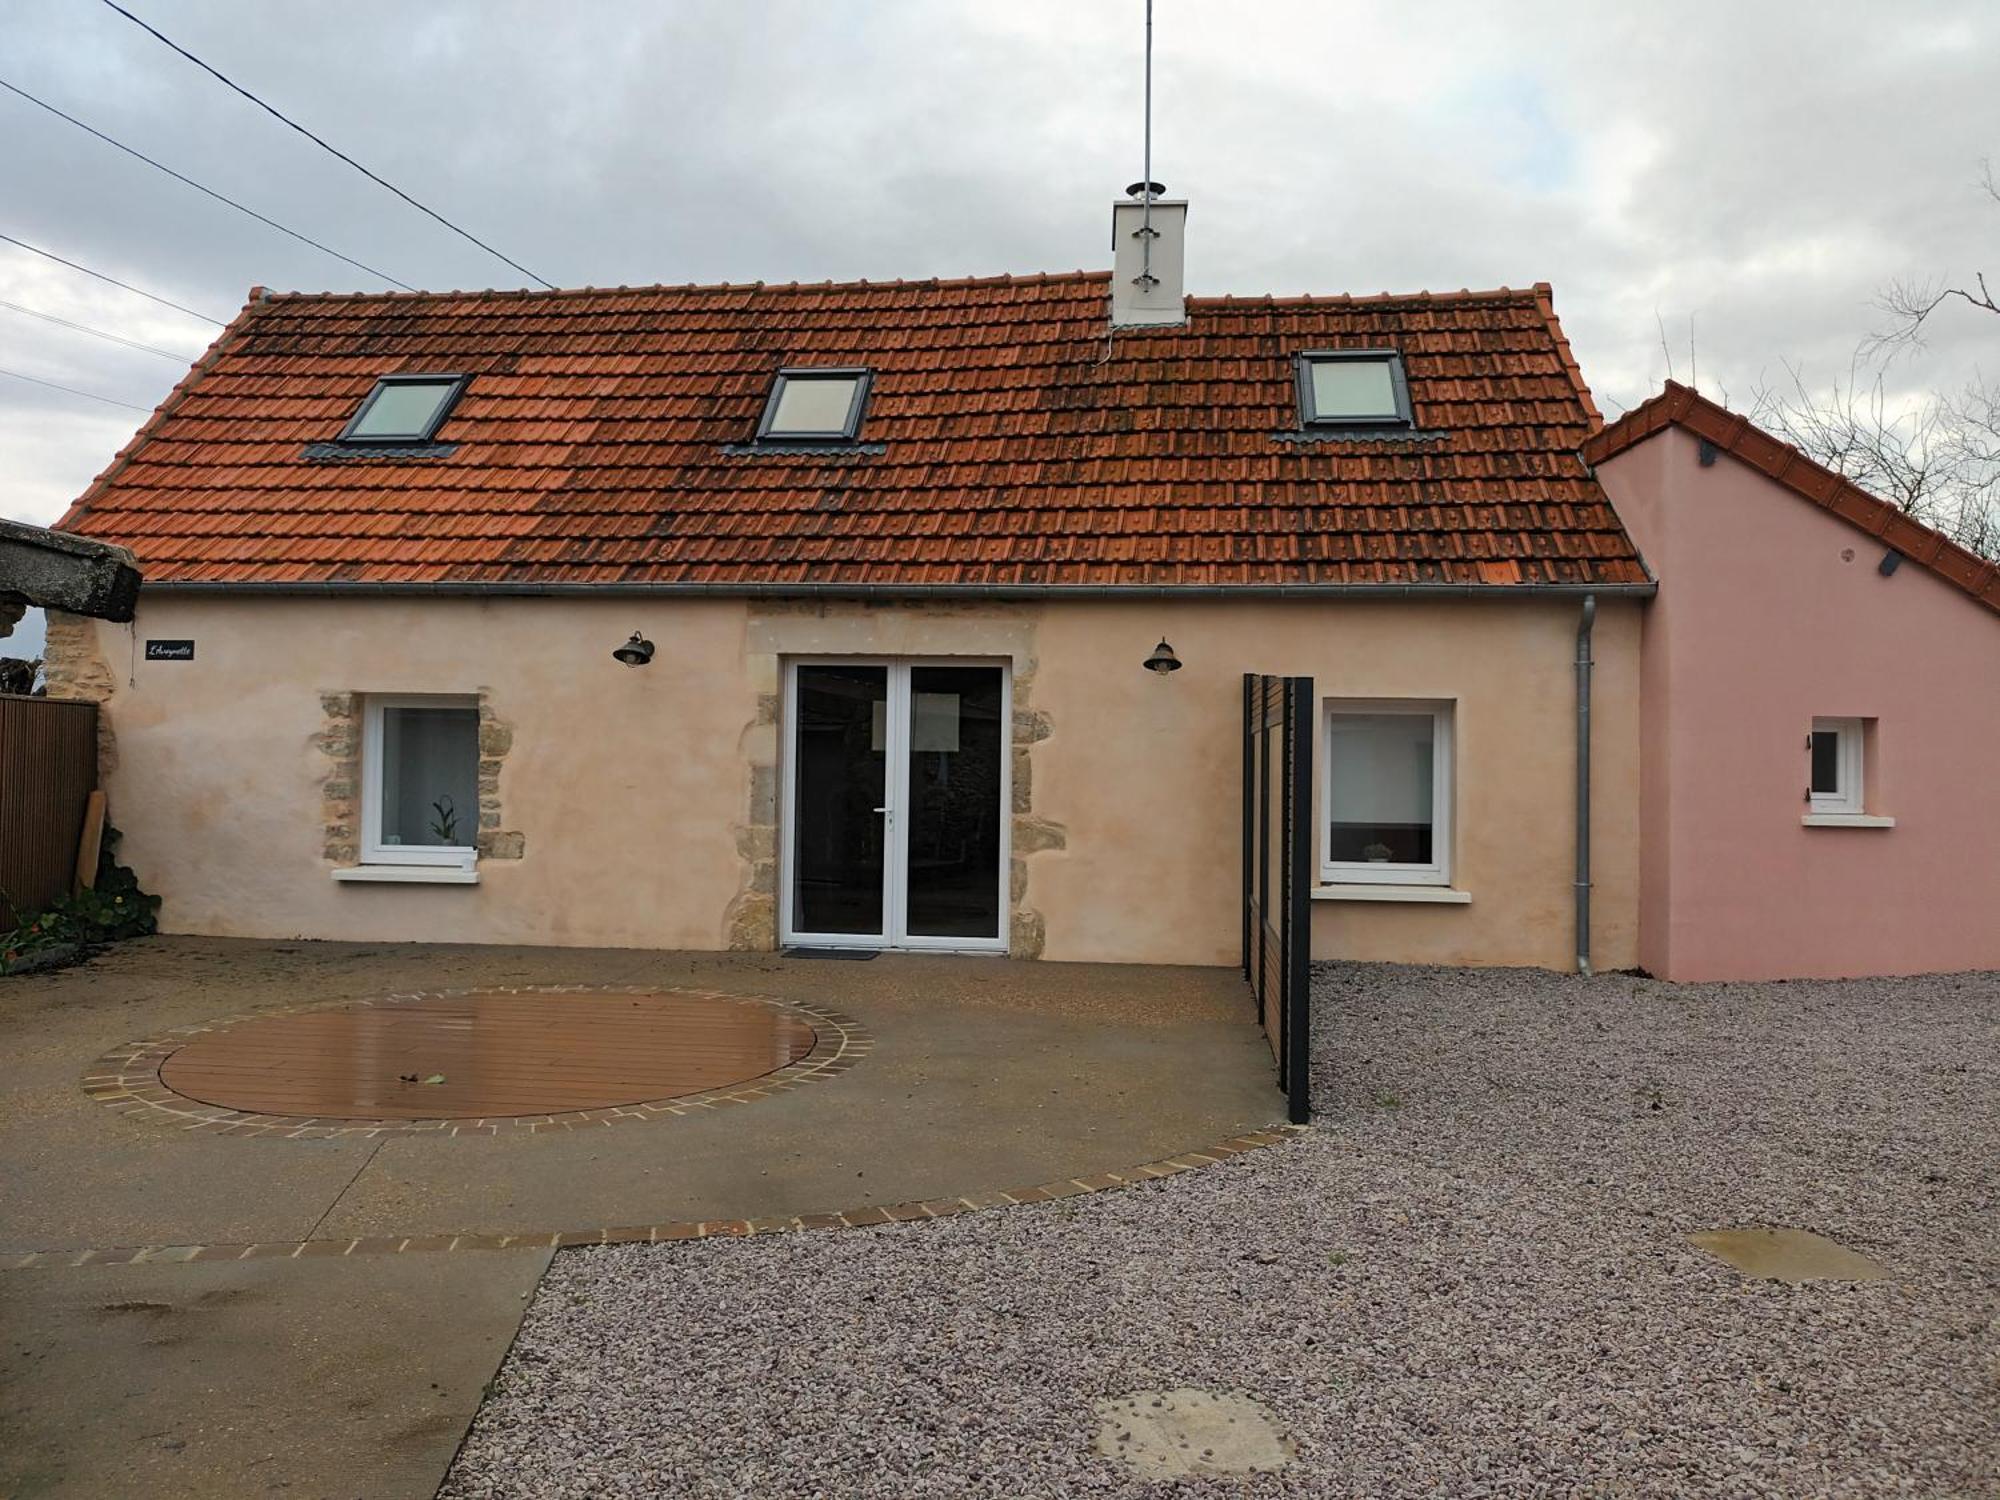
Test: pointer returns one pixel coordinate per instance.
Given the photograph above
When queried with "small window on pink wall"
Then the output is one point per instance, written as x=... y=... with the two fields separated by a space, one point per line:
x=1838 y=771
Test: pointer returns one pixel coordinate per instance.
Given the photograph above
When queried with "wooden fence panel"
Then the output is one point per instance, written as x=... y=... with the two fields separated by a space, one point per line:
x=48 y=769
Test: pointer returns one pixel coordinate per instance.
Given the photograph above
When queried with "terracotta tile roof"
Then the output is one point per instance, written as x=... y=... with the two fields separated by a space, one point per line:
x=1735 y=434
x=1017 y=446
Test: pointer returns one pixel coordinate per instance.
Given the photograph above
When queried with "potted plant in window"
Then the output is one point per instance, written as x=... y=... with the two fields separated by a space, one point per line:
x=1376 y=854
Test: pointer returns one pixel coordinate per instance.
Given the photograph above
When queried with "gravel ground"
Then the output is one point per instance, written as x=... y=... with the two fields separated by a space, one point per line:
x=1471 y=1279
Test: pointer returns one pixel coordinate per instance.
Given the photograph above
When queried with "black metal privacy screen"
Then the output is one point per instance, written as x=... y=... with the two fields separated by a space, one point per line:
x=1277 y=873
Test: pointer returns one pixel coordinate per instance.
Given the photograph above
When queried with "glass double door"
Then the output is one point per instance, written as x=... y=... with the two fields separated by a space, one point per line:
x=895 y=805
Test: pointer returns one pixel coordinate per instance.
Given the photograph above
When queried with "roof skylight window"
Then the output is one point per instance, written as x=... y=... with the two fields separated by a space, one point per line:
x=815 y=406
x=1353 y=388
x=405 y=409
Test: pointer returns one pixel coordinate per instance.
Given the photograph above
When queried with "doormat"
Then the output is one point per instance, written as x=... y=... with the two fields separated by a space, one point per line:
x=854 y=955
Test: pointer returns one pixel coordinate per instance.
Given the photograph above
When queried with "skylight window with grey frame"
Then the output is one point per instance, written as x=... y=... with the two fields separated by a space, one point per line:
x=405 y=409
x=1352 y=388
x=815 y=405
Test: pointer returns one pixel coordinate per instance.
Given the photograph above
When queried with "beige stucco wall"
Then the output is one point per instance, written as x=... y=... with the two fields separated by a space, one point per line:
x=626 y=785
x=646 y=799
x=1146 y=780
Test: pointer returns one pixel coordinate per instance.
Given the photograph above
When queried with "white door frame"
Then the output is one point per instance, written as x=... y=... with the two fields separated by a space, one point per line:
x=896 y=796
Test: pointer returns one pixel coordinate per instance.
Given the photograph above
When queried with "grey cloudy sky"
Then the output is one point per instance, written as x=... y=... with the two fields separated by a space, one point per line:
x=1759 y=168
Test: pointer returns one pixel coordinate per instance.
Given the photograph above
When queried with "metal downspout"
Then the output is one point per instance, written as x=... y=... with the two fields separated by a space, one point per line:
x=1583 y=665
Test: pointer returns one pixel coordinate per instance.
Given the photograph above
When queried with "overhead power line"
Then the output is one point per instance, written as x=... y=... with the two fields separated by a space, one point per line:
x=211 y=192
x=326 y=146
x=116 y=338
x=71 y=390
x=124 y=285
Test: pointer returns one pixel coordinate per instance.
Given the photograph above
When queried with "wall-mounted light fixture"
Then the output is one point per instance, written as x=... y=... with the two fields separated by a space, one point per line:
x=1163 y=659
x=635 y=652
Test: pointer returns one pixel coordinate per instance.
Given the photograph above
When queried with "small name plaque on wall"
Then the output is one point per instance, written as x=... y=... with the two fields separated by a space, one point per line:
x=170 y=651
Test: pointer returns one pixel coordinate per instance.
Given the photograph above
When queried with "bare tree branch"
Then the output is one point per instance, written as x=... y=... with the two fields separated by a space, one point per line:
x=1937 y=460
x=1910 y=304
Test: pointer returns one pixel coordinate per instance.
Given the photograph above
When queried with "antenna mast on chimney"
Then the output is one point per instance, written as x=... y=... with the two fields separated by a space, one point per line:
x=1147 y=259
x=1146 y=281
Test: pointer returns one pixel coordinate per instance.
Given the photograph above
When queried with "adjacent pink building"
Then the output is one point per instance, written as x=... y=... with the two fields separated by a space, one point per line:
x=1820 y=720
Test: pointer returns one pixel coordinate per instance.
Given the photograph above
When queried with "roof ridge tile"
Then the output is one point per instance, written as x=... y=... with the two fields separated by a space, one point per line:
x=1502 y=294
x=472 y=294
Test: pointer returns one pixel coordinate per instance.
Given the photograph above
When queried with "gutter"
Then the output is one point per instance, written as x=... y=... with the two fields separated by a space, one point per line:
x=1584 y=625
x=1092 y=591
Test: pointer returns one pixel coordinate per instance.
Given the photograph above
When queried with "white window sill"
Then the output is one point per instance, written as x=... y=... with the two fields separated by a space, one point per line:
x=1846 y=820
x=1437 y=895
x=410 y=874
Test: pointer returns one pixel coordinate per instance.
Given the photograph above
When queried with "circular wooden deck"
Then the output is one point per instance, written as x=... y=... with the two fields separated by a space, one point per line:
x=489 y=1054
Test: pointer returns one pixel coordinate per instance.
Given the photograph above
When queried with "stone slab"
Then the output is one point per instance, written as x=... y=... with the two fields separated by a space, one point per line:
x=1791 y=1255
x=59 y=571
x=1177 y=1433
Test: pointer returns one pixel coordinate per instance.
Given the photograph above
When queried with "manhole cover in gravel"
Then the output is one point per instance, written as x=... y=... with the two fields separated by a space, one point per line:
x=1787 y=1255
x=1168 y=1434
x=488 y=1054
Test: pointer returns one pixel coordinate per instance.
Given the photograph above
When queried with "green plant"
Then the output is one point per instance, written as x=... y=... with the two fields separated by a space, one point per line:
x=30 y=937
x=444 y=827
x=111 y=909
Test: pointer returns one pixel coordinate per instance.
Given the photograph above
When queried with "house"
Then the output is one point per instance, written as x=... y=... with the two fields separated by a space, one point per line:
x=1821 y=677
x=746 y=616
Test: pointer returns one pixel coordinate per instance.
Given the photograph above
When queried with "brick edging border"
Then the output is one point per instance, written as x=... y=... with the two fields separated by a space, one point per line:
x=857 y=1218
x=127 y=1078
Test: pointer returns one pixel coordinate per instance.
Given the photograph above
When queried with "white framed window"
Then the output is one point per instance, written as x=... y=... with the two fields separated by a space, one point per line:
x=1838 y=773
x=419 y=780
x=1386 y=792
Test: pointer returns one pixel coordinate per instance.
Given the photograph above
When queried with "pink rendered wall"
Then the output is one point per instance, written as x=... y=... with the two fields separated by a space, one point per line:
x=1771 y=613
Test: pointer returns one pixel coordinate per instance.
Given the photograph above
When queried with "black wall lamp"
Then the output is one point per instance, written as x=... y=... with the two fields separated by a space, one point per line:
x=635 y=652
x=1163 y=659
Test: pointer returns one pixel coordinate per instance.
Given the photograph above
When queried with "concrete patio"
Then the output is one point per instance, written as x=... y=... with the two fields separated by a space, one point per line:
x=984 y=1075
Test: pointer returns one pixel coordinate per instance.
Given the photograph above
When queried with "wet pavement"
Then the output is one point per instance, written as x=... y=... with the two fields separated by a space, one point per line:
x=981 y=1075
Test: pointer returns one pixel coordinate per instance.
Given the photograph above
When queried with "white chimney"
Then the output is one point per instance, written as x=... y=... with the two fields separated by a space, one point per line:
x=1148 y=245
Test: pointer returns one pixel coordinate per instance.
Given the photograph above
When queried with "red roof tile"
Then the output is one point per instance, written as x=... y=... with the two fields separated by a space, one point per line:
x=1735 y=434
x=1019 y=446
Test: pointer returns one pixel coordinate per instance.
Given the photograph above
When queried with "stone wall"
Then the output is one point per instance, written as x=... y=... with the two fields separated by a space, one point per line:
x=339 y=740
x=1030 y=835
x=74 y=666
x=496 y=738
x=751 y=923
